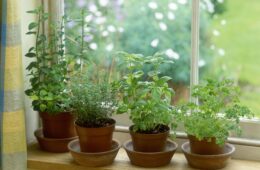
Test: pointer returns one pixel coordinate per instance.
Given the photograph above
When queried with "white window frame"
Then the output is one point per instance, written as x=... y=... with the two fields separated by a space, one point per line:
x=248 y=145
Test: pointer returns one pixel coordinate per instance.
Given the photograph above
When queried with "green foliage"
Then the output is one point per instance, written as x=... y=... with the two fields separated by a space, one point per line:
x=140 y=29
x=147 y=102
x=219 y=8
x=48 y=66
x=92 y=96
x=77 y=48
x=92 y=100
x=218 y=113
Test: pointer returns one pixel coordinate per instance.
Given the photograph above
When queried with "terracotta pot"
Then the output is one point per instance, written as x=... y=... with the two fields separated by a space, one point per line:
x=208 y=162
x=149 y=142
x=96 y=159
x=52 y=144
x=95 y=139
x=58 y=126
x=151 y=159
x=205 y=147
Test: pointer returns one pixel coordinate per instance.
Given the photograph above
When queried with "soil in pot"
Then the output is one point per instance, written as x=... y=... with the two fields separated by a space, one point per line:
x=95 y=137
x=58 y=126
x=150 y=141
x=205 y=146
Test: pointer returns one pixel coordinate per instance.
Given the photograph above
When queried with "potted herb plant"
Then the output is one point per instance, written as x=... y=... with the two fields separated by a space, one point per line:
x=218 y=113
x=93 y=102
x=48 y=77
x=147 y=98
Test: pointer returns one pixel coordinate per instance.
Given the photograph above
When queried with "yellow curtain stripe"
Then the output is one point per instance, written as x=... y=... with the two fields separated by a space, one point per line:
x=14 y=13
x=13 y=69
x=13 y=57
x=14 y=132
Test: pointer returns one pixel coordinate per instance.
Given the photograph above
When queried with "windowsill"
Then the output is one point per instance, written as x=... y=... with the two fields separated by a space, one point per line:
x=40 y=160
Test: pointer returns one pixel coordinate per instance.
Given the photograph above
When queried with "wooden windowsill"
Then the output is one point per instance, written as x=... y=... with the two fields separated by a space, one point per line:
x=40 y=160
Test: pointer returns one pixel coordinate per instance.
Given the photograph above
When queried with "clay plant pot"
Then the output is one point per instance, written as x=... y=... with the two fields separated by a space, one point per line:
x=205 y=146
x=208 y=162
x=97 y=159
x=58 y=126
x=151 y=159
x=95 y=139
x=52 y=144
x=149 y=142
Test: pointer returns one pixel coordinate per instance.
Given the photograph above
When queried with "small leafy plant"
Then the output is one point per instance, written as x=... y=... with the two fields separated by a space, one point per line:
x=218 y=112
x=146 y=97
x=48 y=68
x=93 y=102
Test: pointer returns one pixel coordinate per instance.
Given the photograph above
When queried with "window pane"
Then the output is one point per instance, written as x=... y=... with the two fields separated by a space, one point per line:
x=235 y=35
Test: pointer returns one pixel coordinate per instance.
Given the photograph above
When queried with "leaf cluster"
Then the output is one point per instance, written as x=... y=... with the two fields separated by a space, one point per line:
x=218 y=112
x=146 y=97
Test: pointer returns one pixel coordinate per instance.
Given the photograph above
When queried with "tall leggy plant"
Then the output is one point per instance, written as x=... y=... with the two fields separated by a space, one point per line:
x=48 y=66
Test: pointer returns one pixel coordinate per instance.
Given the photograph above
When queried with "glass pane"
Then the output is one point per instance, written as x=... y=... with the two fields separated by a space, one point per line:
x=235 y=30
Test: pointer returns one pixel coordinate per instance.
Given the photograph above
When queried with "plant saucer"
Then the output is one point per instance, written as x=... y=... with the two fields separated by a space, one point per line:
x=150 y=159
x=57 y=145
x=208 y=161
x=93 y=159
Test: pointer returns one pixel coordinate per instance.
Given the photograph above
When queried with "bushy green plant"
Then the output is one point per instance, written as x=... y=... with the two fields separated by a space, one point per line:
x=93 y=101
x=48 y=68
x=218 y=112
x=147 y=101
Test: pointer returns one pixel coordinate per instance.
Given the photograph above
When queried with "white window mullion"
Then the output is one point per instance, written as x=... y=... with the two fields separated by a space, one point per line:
x=194 y=72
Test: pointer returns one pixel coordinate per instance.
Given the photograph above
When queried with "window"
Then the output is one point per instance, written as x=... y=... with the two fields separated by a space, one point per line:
x=152 y=25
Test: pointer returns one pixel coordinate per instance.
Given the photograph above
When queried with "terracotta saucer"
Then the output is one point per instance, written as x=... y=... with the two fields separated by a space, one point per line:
x=52 y=144
x=208 y=161
x=93 y=159
x=150 y=159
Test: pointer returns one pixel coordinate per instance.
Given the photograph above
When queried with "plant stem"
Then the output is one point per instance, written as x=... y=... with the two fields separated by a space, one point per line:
x=36 y=46
x=82 y=39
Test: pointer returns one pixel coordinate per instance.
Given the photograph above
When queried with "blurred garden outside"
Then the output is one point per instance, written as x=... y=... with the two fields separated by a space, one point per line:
x=228 y=37
x=240 y=37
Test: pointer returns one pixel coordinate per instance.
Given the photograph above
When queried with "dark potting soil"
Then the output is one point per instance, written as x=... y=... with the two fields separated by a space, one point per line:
x=97 y=123
x=156 y=130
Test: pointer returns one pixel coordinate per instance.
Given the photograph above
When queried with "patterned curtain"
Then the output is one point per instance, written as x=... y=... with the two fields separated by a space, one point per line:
x=12 y=124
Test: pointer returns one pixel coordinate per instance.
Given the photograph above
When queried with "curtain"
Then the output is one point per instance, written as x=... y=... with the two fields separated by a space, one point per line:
x=12 y=124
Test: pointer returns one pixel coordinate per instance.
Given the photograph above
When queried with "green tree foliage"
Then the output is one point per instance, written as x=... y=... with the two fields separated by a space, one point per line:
x=132 y=26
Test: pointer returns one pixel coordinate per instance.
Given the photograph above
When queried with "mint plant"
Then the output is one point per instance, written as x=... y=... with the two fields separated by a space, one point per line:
x=48 y=68
x=218 y=113
x=146 y=97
